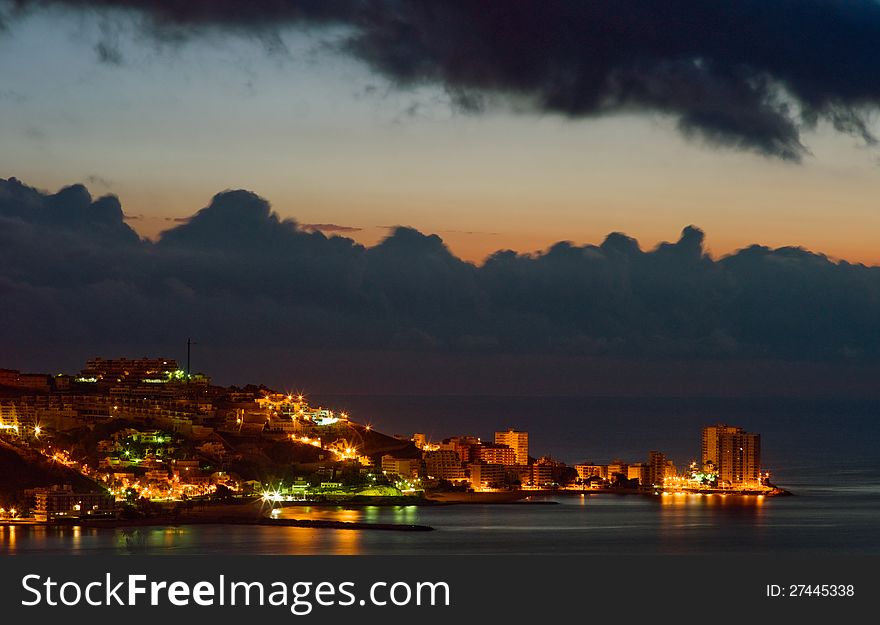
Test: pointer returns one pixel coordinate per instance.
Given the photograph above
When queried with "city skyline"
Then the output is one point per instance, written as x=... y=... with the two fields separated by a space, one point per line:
x=158 y=433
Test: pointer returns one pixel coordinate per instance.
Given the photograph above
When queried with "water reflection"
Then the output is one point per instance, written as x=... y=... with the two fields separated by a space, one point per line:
x=348 y=542
x=591 y=524
x=363 y=514
x=319 y=513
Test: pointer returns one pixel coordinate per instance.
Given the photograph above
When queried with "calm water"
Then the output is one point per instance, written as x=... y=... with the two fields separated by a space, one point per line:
x=593 y=524
x=826 y=452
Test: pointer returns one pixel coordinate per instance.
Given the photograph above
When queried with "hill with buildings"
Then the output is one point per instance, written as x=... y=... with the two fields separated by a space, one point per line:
x=147 y=430
x=20 y=471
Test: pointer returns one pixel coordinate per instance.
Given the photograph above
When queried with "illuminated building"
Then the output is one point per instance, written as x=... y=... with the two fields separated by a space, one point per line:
x=586 y=471
x=595 y=482
x=10 y=419
x=542 y=474
x=618 y=467
x=404 y=467
x=249 y=422
x=519 y=473
x=485 y=475
x=285 y=405
x=443 y=464
x=113 y=370
x=517 y=441
x=13 y=378
x=659 y=468
x=156 y=475
x=419 y=440
x=497 y=454
x=733 y=453
x=464 y=446
x=52 y=504
x=285 y=425
x=639 y=471
x=711 y=443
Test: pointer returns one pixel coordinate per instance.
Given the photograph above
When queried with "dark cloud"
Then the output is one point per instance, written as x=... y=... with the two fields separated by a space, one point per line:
x=237 y=275
x=748 y=75
x=330 y=228
x=70 y=212
x=108 y=53
x=99 y=181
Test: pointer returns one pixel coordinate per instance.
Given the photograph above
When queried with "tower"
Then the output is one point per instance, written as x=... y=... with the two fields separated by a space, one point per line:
x=517 y=441
x=734 y=453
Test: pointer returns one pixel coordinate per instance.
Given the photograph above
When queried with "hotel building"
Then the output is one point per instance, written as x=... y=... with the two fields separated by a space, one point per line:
x=443 y=464
x=517 y=441
x=733 y=453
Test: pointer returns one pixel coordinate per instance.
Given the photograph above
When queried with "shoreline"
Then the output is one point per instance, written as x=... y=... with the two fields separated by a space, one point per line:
x=246 y=513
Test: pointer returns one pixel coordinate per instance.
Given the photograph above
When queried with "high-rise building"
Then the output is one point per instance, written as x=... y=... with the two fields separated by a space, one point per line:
x=711 y=444
x=733 y=453
x=657 y=468
x=517 y=441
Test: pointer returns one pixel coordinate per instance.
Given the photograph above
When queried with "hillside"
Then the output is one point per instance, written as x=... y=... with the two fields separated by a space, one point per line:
x=19 y=471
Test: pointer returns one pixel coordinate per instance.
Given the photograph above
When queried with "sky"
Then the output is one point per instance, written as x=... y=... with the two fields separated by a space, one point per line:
x=552 y=197
x=90 y=97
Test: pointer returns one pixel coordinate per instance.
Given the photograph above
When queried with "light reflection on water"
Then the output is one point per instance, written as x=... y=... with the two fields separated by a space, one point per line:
x=575 y=525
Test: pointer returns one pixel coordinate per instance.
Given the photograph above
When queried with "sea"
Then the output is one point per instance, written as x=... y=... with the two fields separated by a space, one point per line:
x=825 y=451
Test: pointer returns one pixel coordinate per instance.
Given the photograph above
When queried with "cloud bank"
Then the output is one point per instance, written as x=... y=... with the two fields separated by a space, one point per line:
x=750 y=74
x=72 y=272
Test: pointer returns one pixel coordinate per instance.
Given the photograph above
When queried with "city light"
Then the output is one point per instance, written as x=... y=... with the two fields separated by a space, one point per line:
x=178 y=448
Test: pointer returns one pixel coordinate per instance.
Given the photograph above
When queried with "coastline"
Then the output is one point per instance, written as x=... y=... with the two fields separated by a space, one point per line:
x=253 y=512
